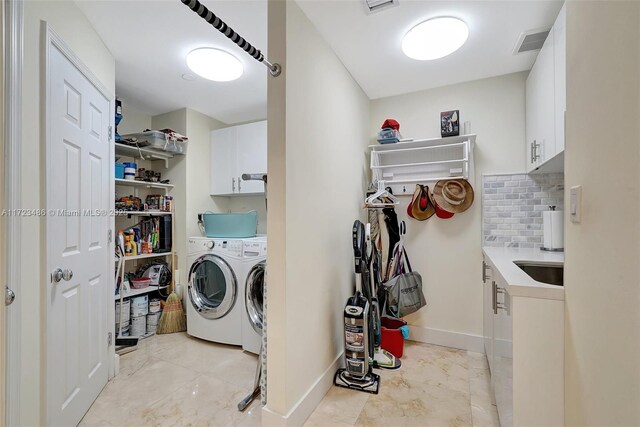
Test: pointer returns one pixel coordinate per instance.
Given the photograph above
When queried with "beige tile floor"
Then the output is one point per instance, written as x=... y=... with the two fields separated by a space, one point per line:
x=177 y=380
x=171 y=381
x=436 y=386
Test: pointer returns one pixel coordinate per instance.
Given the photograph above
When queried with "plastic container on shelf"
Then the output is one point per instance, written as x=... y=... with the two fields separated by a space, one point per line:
x=159 y=141
x=119 y=171
x=231 y=225
x=140 y=283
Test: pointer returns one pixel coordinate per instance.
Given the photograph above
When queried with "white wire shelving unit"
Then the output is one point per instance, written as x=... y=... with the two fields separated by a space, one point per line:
x=425 y=161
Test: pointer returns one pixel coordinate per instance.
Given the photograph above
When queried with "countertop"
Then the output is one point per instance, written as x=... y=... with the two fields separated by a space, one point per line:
x=518 y=283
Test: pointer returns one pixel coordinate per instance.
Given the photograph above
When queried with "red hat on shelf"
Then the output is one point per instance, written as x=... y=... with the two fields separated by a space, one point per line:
x=391 y=123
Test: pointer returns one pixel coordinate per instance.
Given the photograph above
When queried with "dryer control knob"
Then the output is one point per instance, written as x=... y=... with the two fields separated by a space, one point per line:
x=211 y=244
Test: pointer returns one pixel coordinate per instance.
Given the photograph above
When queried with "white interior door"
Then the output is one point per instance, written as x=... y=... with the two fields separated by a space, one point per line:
x=78 y=121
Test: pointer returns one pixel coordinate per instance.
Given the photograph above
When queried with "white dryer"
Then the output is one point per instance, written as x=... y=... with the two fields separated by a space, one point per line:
x=254 y=255
x=215 y=297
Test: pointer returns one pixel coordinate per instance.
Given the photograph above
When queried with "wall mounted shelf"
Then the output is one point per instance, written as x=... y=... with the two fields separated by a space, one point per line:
x=143 y=184
x=421 y=161
x=144 y=153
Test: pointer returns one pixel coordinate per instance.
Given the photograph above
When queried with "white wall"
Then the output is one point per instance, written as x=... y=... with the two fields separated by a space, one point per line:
x=447 y=253
x=322 y=191
x=199 y=127
x=134 y=121
x=69 y=22
x=602 y=272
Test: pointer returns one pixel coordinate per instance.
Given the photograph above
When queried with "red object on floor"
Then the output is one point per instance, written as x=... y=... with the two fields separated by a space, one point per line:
x=391 y=336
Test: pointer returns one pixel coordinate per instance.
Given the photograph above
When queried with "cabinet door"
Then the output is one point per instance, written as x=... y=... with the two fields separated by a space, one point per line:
x=532 y=98
x=251 y=143
x=502 y=374
x=223 y=161
x=546 y=125
x=487 y=313
x=560 y=76
x=540 y=108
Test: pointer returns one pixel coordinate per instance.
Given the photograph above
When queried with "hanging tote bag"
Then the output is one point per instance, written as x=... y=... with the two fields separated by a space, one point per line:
x=404 y=289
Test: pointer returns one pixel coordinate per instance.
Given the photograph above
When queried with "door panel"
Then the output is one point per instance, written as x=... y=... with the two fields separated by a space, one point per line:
x=223 y=160
x=78 y=150
x=252 y=154
x=560 y=76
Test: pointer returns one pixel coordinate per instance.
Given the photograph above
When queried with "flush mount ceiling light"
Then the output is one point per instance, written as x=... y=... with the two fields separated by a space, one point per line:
x=214 y=64
x=435 y=38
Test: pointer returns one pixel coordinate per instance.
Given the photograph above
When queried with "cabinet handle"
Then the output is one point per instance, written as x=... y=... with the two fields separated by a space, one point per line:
x=239 y=185
x=495 y=297
x=484 y=272
x=535 y=157
x=233 y=185
x=500 y=305
x=531 y=157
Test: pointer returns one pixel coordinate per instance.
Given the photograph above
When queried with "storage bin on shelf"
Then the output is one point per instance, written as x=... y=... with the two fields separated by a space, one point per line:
x=231 y=225
x=158 y=141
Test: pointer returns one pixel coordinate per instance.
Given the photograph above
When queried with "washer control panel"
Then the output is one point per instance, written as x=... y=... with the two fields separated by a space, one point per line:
x=203 y=244
x=254 y=248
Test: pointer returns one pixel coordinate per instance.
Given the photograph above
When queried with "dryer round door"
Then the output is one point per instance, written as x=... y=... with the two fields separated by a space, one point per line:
x=254 y=296
x=213 y=287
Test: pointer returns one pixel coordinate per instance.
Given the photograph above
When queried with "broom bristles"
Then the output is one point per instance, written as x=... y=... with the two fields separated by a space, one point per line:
x=173 y=318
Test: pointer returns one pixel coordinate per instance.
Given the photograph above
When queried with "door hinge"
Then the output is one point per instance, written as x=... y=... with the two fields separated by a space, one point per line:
x=109 y=338
x=110 y=236
x=110 y=132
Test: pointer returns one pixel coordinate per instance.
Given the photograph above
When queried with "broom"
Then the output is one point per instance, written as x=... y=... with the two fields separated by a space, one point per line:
x=172 y=318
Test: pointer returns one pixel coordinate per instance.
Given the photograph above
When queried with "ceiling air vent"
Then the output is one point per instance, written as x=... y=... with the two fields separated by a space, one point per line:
x=378 y=5
x=531 y=40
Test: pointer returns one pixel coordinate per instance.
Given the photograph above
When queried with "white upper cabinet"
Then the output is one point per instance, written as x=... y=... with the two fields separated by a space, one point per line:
x=223 y=157
x=251 y=152
x=235 y=151
x=546 y=101
x=560 y=77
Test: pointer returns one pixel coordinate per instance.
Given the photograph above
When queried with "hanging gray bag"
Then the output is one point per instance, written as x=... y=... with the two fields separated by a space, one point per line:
x=404 y=289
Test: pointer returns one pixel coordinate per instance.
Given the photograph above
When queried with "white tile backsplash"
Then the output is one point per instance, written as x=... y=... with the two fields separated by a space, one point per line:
x=512 y=207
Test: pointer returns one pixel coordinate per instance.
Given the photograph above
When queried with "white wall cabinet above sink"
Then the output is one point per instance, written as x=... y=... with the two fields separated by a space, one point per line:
x=234 y=151
x=546 y=101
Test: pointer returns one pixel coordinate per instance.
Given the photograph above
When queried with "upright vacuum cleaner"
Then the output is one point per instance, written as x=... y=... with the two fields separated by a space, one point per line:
x=358 y=326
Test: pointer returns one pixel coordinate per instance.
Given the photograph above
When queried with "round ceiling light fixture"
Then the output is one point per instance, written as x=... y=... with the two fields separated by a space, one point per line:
x=435 y=38
x=214 y=64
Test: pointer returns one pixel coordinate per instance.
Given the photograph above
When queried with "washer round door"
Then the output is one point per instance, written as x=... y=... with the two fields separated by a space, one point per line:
x=212 y=286
x=254 y=296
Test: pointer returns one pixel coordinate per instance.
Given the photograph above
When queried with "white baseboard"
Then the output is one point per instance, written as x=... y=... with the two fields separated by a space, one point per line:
x=307 y=403
x=447 y=338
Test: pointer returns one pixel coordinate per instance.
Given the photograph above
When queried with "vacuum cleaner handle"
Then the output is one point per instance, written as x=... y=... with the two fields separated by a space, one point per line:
x=359 y=249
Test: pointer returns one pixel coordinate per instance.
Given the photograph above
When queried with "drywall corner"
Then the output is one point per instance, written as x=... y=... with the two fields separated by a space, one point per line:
x=275 y=304
x=602 y=295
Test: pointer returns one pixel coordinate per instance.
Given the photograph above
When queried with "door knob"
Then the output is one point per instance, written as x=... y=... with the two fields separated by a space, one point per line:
x=56 y=275
x=67 y=274
x=9 y=296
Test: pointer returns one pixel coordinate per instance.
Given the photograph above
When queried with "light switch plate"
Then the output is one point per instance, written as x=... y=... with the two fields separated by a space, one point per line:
x=575 y=204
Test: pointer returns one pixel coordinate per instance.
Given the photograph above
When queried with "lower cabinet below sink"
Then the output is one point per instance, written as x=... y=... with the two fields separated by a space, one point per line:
x=524 y=343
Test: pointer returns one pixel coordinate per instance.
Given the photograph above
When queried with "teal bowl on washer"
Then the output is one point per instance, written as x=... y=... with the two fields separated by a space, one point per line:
x=231 y=225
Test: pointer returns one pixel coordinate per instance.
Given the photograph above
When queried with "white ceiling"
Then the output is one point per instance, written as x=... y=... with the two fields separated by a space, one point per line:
x=150 y=39
x=369 y=44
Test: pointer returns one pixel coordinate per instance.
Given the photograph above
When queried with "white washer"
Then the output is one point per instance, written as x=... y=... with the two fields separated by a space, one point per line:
x=254 y=259
x=215 y=301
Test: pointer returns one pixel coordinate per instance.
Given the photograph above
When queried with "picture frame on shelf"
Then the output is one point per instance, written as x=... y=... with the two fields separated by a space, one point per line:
x=450 y=123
